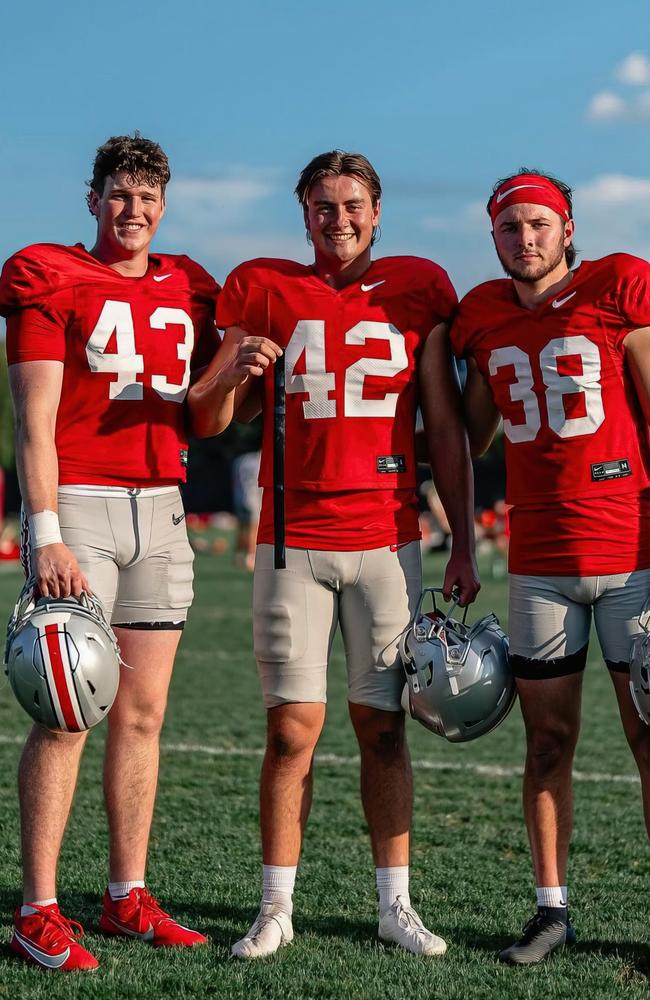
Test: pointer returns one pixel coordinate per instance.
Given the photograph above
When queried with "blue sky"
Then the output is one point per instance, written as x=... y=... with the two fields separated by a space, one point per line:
x=443 y=98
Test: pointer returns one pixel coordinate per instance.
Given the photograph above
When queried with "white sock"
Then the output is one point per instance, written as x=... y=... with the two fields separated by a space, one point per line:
x=277 y=885
x=551 y=895
x=26 y=909
x=391 y=883
x=120 y=890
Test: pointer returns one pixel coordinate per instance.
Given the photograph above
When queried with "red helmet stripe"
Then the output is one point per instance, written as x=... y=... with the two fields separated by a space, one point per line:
x=61 y=677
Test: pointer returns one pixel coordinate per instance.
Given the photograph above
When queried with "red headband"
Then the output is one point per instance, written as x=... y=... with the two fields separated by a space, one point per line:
x=529 y=189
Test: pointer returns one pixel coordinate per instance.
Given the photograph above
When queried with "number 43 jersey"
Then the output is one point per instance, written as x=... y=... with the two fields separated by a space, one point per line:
x=572 y=423
x=350 y=360
x=127 y=346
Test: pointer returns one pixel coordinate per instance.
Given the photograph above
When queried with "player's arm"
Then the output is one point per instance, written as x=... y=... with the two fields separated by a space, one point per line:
x=481 y=414
x=223 y=387
x=36 y=391
x=441 y=405
x=250 y=406
x=637 y=350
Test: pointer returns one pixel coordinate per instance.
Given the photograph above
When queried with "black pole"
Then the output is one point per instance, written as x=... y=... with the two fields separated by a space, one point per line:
x=279 y=430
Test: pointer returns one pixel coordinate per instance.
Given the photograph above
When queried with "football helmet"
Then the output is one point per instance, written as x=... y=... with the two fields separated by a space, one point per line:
x=62 y=660
x=458 y=678
x=640 y=671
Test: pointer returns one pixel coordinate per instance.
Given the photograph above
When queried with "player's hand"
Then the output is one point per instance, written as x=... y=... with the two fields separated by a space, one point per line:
x=56 y=572
x=461 y=574
x=253 y=357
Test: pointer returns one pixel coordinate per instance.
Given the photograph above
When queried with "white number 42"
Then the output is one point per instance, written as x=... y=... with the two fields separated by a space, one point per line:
x=308 y=338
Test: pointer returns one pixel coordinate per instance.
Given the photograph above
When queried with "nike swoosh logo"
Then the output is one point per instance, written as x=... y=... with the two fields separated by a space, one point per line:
x=560 y=302
x=161 y=277
x=42 y=957
x=177 y=520
x=369 y=288
x=519 y=187
x=147 y=935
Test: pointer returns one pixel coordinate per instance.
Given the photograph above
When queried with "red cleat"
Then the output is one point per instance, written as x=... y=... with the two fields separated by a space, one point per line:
x=51 y=941
x=141 y=916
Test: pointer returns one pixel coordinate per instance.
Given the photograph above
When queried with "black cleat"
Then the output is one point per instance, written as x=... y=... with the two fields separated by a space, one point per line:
x=547 y=930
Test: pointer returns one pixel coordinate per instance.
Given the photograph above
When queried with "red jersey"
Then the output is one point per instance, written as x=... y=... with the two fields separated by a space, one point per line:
x=573 y=427
x=127 y=346
x=351 y=391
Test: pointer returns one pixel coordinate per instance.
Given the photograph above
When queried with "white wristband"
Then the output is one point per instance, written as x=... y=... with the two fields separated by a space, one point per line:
x=44 y=528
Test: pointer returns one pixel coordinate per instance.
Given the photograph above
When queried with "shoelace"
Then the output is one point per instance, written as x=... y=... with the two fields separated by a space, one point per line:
x=406 y=917
x=534 y=924
x=150 y=904
x=262 y=920
x=56 y=922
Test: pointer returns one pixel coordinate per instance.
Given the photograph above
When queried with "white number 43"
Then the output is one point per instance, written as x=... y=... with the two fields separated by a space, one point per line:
x=116 y=317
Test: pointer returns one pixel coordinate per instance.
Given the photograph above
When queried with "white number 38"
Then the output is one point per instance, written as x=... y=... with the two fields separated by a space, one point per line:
x=557 y=386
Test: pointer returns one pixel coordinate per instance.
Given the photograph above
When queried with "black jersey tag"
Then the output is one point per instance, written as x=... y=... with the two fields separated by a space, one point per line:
x=619 y=468
x=391 y=463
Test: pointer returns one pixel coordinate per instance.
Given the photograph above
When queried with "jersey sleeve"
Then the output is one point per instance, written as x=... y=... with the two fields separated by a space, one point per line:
x=232 y=301
x=35 y=334
x=444 y=300
x=634 y=294
x=28 y=278
x=459 y=333
x=207 y=341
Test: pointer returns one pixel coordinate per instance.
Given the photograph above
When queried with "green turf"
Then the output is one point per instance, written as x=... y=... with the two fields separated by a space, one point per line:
x=471 y=877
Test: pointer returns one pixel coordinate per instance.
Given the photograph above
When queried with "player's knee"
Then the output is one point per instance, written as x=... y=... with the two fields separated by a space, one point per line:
x=291 y=741
x=639 y=743
x=550 y=750
x=382 y=734
x=141 y=721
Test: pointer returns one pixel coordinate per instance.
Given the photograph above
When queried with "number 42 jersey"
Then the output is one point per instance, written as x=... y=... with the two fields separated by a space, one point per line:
x=350 y=359
x=127 y=346
x=350 y=362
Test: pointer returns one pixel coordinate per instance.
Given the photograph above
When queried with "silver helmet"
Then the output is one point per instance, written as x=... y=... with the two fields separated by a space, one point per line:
x=458 y=678
x=640 y=671
x=62 y=660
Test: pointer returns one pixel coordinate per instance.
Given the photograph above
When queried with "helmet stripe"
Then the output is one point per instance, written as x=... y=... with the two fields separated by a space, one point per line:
x=61 y=676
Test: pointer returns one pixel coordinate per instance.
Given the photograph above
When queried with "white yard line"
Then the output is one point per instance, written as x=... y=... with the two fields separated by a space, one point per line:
x=484 y=770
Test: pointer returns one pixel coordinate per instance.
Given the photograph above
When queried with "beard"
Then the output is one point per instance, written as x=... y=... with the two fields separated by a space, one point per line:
x=538 y=269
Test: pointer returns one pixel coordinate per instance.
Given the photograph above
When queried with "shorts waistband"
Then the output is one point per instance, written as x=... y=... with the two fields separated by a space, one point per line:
x=107 y=492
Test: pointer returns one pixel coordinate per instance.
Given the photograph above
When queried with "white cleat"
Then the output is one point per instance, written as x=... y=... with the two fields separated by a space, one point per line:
x=272 y=929
x=402 y=926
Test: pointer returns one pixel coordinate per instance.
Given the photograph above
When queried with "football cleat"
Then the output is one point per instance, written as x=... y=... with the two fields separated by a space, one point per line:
x=401 y=926
x=62 y=660
x=458 y=678
x=139 y=915
x=546 y=931
x=640 y=671
x=48 y=939
x=271 y=930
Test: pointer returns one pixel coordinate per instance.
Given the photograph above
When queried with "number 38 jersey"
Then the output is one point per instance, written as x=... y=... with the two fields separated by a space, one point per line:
x=350 y=361
x=127 y=346
x=576 y=443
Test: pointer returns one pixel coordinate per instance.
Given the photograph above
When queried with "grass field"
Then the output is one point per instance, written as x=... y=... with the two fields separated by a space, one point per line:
x=471 y=877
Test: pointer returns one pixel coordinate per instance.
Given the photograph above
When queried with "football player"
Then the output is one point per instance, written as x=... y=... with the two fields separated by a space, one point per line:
x=353 y=336
x=101 y=344
x=563 y=356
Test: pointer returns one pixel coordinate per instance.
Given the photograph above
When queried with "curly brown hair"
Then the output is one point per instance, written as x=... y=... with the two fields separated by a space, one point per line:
x=142 y=159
